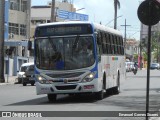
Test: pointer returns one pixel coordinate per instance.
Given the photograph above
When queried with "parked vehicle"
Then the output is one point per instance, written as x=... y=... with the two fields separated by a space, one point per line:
x=155 y=66
x=132 y=66
x=26 y=74
x=128 y=66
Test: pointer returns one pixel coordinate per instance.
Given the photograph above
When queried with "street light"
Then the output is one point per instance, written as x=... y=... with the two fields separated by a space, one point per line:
x=113 y=20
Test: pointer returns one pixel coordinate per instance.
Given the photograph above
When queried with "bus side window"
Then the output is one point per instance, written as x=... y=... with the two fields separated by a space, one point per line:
x=104 y=43
x=107 y=42
x=99 y=44
x=110 y=46
x=118 y=45
x=121 y=44
x=121 y=41
x=114 y=44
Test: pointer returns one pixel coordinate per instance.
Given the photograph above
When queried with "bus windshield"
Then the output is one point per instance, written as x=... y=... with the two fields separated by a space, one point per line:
x=64 y=53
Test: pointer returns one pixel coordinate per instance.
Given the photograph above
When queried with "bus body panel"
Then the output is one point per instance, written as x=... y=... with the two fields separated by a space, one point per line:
x=93 y=86
x=110 y=68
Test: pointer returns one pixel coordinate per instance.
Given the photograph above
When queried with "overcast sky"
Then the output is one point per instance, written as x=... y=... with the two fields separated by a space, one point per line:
x=103 y=11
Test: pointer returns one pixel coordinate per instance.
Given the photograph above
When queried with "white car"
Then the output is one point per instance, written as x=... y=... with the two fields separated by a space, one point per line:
x=21 y=72
x=155 y=66
x=128 y=66
x=132 y=65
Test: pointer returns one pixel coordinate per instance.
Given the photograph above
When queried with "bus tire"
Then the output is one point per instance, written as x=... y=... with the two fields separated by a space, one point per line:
x=24 y=84
x=117 y=88
x=32 y=84
x=52 y=97
x=100 y=94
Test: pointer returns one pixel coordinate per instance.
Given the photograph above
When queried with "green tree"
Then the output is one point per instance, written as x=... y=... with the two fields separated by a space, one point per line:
x=156 y=45
x=135 y=56
x=2 y=4
x=145 y=56
x=116 y=6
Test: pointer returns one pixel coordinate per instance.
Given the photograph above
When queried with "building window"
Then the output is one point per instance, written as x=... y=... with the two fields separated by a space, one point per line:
x=24 y=6
x=22 y=30
x=14 y=28
x=14 y=5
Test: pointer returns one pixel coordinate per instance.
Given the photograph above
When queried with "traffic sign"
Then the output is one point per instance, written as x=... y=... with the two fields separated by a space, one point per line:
x=72 y=15
x=149 y=12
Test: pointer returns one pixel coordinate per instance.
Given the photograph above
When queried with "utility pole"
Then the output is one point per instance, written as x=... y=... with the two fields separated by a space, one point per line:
x=2 y=8
x=140 y=45
x=125 y=40
x=53 y=16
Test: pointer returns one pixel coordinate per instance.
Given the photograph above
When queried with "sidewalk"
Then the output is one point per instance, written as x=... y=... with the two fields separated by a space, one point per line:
x=9 y=80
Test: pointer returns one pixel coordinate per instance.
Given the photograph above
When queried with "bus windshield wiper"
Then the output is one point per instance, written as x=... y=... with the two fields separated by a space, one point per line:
x=52 y=44
x=75 y=42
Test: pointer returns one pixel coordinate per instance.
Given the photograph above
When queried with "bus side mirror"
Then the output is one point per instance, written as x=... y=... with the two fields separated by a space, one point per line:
x=29 y=45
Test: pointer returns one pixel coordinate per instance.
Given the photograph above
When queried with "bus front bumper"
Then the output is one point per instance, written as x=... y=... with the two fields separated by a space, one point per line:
x=62 y=88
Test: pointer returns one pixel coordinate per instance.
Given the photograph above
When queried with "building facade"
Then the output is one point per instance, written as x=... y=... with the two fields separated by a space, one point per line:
x=42 y=14
x=17 y=32
x=144 y=37
x=20 y=23
x=132 y=48
x=144 y=31
x=18 y=19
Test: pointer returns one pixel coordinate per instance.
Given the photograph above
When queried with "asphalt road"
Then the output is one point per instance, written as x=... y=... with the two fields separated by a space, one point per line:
x=132 y=98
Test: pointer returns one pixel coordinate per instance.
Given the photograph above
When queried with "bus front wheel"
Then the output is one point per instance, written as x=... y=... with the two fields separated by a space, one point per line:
x=100 y=95
x=52 y=97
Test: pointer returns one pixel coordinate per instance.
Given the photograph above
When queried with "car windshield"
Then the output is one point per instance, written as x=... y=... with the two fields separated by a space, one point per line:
x=30 y=68
x=23 y=68
x=64 y=53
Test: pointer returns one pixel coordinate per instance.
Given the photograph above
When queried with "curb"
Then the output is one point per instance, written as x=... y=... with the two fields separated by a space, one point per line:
x=6 y=84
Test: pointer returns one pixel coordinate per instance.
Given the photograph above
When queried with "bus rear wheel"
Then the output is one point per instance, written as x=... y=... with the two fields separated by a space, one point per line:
x=52 y=97
x=117 y=88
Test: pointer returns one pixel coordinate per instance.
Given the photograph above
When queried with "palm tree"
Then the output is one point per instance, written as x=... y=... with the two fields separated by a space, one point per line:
x=2 y=4
x=116 y=6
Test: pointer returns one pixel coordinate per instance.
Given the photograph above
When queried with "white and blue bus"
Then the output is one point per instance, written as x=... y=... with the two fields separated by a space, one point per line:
x=78 y=57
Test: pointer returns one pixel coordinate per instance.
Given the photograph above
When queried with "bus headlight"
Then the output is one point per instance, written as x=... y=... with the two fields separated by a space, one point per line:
x=42 y=80
x=89 y=77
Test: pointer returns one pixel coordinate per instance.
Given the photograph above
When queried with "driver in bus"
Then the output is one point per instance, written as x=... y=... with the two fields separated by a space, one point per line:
x=86 y=55
x=85 y=50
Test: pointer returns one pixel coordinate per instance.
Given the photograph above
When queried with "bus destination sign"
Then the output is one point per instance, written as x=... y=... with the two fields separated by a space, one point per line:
x=60 y=30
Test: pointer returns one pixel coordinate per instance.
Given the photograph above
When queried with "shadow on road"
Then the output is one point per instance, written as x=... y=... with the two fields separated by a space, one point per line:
x=62 y=99
x=135 y=99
